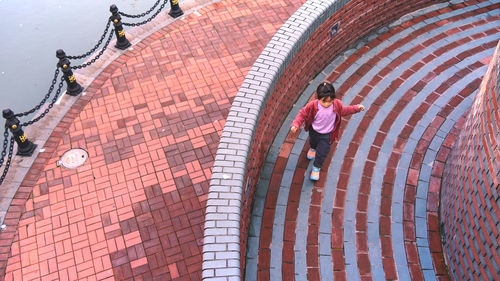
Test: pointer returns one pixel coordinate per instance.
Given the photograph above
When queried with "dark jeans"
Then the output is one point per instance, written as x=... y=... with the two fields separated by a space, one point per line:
x=320 y=142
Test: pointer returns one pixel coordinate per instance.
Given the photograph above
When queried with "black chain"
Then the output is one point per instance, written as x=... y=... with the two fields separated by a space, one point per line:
x=96 y=46
x=5 y=142
x=54 y=99
x=54 y=81
x=7 y=165
x=98 y=55
x=148 y=20
x=141 y=15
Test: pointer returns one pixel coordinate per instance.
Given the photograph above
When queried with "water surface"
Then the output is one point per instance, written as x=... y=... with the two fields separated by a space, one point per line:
x=32 y=31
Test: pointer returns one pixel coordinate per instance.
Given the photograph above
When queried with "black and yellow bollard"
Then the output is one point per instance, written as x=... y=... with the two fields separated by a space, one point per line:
x=73 y=88
x=175 y=10
x=122 y=42
x=24 y=146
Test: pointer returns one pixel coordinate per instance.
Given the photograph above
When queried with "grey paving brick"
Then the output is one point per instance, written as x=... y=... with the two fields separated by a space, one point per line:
x=286 y=181
x=397 y=237
x=399 y=184
x=426 y=168
x=399 y=251
x=332 y=65
x=255 y=225
x=422 y=189
x=442 y=132
x=373 y=212
x=279 y=215
x=267 y=168
x=261 y=192
x=425 y=258
x=300 y=260
x=421 y=208
x=373 y=237
x=376 y=265
x=325 y=225
x=251 y=270
x=320 y=77
x=404 y=162
x=422 y=242
x=274 y=273
x=397 y=211
x=293 y=157
x=397 y=52
x=378 y=273
x=302 y=226
x=349 y=238
x=297 y=149
x=325 y=264
x=411 y=144
x=403 y=272
x=387 y=149
x=352 y=271
x=350 y=208
x=302 y=137
x=327 y=204
x=421 y=227
x=325 y=244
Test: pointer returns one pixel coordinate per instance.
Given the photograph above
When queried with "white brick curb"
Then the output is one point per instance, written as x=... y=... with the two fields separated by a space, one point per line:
x=221 y=245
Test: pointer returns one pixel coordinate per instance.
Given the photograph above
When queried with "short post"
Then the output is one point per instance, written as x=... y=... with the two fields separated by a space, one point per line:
x=122 y=42
x=73 y=88
x=24 y=146
x=175 y=10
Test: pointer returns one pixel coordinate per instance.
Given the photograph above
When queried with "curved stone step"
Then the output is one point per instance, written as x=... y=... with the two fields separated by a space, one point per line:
x=373 y=214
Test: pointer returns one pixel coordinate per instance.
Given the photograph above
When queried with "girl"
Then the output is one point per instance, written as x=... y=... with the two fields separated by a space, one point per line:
x=322 y=119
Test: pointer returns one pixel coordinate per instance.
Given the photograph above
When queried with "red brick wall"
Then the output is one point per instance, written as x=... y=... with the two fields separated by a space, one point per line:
x=470 y=206
x=357 y=19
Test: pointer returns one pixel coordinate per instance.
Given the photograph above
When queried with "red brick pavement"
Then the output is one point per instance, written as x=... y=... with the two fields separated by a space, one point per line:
x=151 y=124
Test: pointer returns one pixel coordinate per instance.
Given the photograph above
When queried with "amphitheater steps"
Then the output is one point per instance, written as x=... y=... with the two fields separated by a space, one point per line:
x=373 y=213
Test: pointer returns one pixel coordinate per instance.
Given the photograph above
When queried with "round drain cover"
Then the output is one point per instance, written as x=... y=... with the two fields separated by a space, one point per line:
x=73 y=158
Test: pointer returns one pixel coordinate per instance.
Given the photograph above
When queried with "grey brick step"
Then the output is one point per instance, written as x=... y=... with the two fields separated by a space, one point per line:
x=325 y=259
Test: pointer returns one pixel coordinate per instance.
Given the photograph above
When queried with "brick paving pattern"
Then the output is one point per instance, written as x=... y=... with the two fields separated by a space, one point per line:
x=151 y=124
x=470 y=188
x=373 y=214
x=152 y=120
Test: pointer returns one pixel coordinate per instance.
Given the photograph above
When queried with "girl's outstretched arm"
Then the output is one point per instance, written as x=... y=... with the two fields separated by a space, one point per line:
x=351 y=109
x=301 y=117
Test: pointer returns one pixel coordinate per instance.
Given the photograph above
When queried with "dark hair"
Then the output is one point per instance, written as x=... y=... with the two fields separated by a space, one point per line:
x=325 y=90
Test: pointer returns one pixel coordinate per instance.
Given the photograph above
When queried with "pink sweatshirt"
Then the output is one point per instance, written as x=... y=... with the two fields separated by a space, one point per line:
x=308 y=113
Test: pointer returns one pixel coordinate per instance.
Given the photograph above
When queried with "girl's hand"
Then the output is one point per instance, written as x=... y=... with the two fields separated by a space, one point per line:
x=293 y=129
x=361 y=107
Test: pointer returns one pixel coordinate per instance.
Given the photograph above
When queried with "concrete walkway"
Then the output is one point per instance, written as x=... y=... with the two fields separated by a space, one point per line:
x=151 y=122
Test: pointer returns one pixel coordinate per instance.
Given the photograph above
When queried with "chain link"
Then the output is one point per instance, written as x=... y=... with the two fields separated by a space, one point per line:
x=96 y=46
x=7 y=165
x=98 y=55
x=140 y=15
x=56 y=74
x=5 y=142
x=149 y=19
x=61 y=83
x=54 y=81
x=54 y=99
